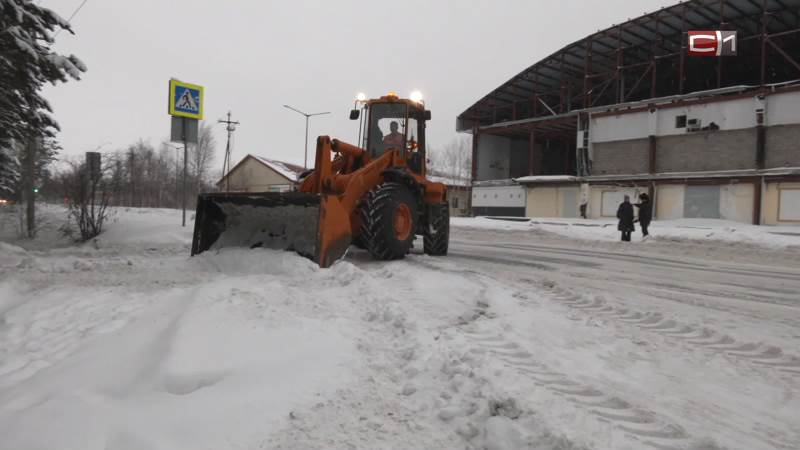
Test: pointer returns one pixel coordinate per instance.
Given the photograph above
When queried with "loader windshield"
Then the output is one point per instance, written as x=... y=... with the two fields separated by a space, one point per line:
x=387 y=127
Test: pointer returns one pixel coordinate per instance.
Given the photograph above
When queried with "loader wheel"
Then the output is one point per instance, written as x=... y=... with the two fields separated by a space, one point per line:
x=388 y=220
x=437 y=235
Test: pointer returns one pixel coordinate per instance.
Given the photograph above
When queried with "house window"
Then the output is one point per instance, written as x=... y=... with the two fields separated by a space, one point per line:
x=680 y=121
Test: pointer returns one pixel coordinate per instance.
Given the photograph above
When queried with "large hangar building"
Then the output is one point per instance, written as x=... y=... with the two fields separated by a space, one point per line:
x=627 y=110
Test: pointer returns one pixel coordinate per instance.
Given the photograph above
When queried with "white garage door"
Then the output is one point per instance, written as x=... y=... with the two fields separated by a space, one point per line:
x=701 y=202
x=789 y=204
x=612 y=199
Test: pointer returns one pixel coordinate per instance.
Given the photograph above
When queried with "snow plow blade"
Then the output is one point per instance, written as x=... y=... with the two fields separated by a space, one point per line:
x=315 y=226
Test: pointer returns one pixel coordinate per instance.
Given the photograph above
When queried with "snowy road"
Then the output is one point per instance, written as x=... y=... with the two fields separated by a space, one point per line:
x=516 y=340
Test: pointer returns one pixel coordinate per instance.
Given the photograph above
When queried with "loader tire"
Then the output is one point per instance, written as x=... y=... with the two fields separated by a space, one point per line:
x=358 y=241
x=437 y=235
x=388 y=220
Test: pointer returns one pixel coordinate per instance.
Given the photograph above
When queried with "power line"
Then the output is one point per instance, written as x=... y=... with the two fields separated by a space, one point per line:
x=74 y=13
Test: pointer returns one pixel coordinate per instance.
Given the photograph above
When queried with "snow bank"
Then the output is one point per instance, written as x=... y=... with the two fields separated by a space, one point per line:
x=10 y=255
x=727 y=232
x=147 y=226
x=214 y=365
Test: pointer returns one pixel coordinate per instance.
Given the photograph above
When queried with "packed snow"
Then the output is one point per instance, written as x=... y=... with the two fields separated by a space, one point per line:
x=126 y=342
x=725 y=232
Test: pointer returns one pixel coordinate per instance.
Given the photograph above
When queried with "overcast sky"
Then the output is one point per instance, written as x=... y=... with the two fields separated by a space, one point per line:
x=253 y=56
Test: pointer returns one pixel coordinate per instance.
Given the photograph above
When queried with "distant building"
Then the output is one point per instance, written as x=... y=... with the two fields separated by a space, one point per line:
x=458 y=190
x=257 y=174
x=627 y=110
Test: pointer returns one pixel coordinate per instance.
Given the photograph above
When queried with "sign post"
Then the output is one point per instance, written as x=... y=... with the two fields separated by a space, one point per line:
x=185 y=105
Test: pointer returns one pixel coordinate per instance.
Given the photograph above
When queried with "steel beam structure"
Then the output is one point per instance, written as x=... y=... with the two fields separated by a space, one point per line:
x=581 y=74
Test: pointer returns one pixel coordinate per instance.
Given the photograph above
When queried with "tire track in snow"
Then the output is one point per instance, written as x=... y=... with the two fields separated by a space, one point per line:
x=760 y=355
x=637 y=422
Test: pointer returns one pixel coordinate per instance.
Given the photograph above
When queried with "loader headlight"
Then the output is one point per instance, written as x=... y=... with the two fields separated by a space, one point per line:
x=361 y=96
x=416 y=96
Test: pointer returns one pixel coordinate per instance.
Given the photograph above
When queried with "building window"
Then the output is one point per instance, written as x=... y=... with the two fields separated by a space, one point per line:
x=680 y=121
x=454 y=202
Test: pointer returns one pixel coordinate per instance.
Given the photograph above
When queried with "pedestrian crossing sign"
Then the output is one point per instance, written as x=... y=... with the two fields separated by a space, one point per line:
x=185 y=100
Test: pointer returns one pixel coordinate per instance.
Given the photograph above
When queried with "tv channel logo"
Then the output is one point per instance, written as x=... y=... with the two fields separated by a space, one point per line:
x=712 y=43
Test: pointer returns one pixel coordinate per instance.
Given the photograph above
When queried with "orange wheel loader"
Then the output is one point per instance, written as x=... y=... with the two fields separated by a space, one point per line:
x=374 y=196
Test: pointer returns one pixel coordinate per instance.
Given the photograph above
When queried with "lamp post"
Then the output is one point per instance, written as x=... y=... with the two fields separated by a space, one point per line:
x=305 y=161
x=177 y=148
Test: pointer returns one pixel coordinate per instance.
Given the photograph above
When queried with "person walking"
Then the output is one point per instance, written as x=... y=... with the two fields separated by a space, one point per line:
x=645 y=213
x=625 y=216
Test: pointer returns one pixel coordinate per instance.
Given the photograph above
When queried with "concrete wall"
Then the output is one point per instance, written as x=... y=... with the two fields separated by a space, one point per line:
x=494 y=157
x=772 y=206
x=783 y=145
x=619 y=128
x=542 y=202
x=519 y=152
x=553 y=201
x=604 y=200
x=736 y=202
x=726 y=115
x=783 y=109
x=669 y=201
x=498 y=196
x=621 y=157
x=732 y=201
x=458 y=198
x=253 y=176
x=706 y=150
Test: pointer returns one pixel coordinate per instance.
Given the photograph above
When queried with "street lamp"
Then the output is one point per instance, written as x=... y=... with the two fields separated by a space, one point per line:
x=305 y=161
x=177 y=148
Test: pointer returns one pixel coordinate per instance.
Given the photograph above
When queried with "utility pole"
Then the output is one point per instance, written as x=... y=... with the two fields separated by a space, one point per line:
x=185 y=157
x=177 y=173
x=305 y=161
x=226 y=163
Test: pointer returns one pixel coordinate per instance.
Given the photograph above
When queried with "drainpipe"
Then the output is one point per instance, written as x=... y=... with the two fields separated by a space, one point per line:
x=757 y=199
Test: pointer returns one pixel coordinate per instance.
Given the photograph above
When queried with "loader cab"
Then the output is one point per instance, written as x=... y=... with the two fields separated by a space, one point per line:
x=390 y=122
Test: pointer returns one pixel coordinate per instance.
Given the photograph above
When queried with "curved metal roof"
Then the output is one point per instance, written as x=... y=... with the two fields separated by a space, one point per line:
x=646 y=57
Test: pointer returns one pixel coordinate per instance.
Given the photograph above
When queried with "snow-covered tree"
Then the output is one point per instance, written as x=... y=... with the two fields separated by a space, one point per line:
x=9 y=170
x=26 y=64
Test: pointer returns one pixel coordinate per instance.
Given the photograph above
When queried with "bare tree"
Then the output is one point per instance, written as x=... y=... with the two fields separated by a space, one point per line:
x=89 y=195
x=201 y=156
x=453 y=161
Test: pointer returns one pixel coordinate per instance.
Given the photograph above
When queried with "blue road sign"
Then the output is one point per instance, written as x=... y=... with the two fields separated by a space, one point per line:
x=185 y=100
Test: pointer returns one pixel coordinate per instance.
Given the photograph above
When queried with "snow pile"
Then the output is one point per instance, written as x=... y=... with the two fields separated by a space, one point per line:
x=726 y=232
x=203 y=366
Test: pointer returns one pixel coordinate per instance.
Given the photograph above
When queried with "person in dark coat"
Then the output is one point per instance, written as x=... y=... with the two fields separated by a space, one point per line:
x=645 y=213
x=625 y=216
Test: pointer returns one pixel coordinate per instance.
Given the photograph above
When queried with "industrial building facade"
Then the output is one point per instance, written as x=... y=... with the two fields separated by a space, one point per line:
x=627 y=110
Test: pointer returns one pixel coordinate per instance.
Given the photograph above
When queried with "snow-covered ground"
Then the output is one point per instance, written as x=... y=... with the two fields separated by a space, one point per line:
x=520 y=339
x=723 y=231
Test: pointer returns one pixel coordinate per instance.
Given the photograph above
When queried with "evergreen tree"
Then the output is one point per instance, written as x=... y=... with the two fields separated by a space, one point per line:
x=26 y=64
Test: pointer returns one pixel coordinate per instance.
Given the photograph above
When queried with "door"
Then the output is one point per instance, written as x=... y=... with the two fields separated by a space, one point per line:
x=701 y=202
